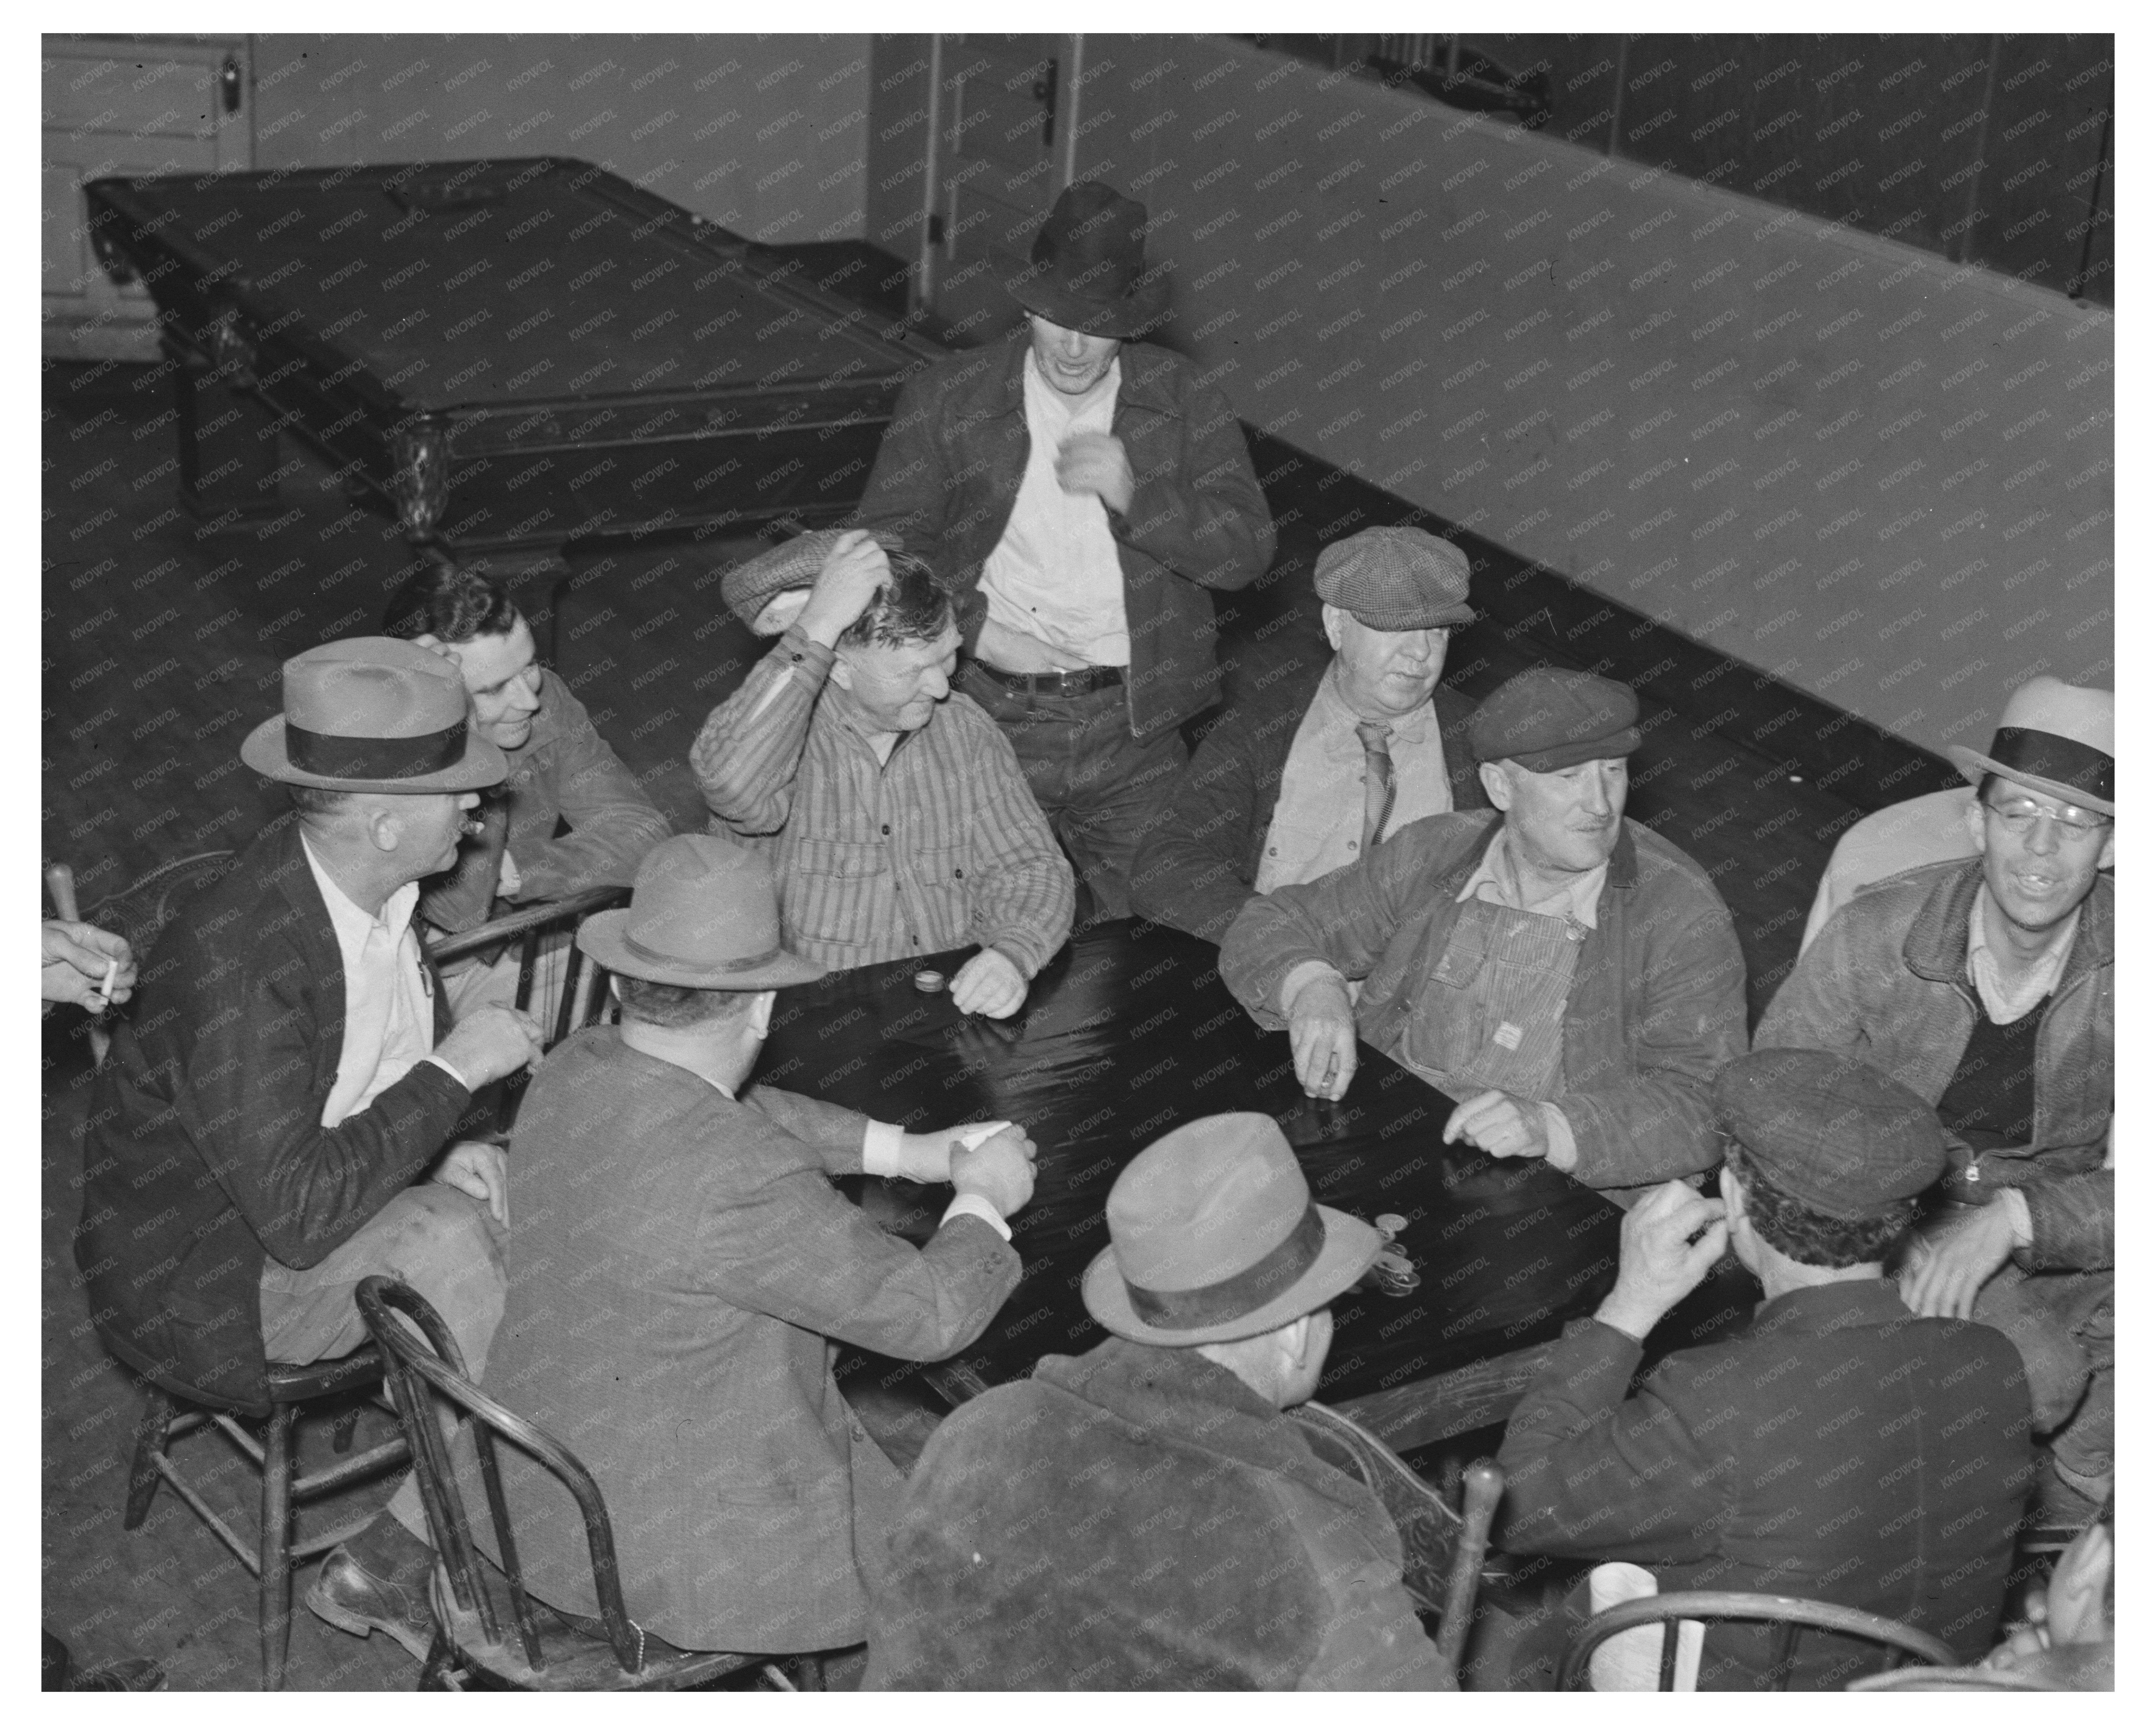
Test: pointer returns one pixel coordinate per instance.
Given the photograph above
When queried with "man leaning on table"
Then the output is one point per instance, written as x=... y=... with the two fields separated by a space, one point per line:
x=1570 y=976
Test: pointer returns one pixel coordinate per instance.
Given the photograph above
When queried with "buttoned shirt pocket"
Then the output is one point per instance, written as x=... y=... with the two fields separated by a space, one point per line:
x=943 y=914
x=839 y=887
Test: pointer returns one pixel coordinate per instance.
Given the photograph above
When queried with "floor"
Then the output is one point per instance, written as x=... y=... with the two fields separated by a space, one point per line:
x=161 y=648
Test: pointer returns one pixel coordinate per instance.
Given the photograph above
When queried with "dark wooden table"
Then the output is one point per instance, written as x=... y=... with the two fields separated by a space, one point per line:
x=508 y=355
x=1129 y=1032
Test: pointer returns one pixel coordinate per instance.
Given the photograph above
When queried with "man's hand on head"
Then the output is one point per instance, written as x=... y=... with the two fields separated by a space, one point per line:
x=1093 y=461
x=853 y=568
x=988 y=983
x=1670 y=1240
x=1948 y=1266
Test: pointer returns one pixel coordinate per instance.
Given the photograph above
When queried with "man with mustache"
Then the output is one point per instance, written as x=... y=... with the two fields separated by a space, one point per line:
x=1570 y=976
x=1985 y=985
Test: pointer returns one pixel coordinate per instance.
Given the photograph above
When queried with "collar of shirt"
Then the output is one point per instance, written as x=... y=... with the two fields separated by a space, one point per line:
x=2005 y=1002
x=1337 y=721
x=355 y=928
x=1495 y=880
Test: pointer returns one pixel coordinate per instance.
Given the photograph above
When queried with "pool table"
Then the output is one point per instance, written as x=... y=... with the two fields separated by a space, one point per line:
x=508 y=355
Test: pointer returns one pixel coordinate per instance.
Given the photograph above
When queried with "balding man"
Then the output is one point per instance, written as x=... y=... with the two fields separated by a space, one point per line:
x=1570 y=976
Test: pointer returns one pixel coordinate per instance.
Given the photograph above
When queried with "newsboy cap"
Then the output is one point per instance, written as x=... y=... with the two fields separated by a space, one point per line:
x=1838 y=1136
x=1396 y=578
x=1546 y=720
x=793 y=564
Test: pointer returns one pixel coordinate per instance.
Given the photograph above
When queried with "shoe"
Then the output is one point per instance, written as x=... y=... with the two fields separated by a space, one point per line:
x=350 y=1597
x=141 y=1675
x=1428 y=1527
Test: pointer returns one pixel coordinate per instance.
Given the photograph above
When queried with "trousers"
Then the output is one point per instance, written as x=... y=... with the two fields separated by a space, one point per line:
x=1097 y=784
x=2060 y=1321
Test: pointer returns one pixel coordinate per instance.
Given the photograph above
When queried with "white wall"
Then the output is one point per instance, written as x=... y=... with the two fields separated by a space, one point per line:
x=1886 y=479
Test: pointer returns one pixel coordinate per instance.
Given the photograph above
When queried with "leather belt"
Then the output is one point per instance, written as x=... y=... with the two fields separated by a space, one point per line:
x=1091 y=679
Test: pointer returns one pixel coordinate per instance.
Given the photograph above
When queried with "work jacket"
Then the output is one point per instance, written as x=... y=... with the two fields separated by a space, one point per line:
x=1887 y=981
x=947 y=475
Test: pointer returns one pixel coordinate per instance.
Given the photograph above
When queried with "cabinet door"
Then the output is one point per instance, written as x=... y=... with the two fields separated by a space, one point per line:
x=118 y=105
x=1001 y=157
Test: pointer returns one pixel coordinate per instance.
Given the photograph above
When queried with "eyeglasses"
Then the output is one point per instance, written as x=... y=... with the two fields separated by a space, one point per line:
x=2020 y=817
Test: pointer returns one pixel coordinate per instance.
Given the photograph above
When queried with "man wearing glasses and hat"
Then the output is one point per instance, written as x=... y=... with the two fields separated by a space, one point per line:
x=1076 y=491
x=289 y=1073
x=1570 y=977
x=685 y=1270
x=1986 y=986
x=1142 y=1517
x=1301 y=782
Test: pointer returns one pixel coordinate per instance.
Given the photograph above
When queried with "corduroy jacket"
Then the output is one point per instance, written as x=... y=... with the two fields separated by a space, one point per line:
x=1194 y=870
x=205 y=1152
x=1887 y=981
x=1655 y=1009
x=947 y=477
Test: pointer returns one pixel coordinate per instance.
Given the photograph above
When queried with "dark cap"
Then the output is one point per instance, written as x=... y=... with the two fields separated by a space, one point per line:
x=1546 y=720
x=747 y=588
x=1396 y=578
x=1838 y=1136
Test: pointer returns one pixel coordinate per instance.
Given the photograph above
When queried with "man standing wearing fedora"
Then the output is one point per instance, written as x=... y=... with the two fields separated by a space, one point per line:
x=1142 y=1516
x=1077 y=490
x=1288 y=789
x=288 y=1074
x=1986 y=986
x=685 y=1270
x=1569 y=978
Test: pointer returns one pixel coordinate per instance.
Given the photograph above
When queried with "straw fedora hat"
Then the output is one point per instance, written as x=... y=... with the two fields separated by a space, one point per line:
x=373 y=714
x=2052 y=737
x=703 y=914
x=1212 y=1237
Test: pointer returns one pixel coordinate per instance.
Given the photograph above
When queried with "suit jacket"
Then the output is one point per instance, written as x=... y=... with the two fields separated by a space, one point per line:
x=680 y=1269
x=1194 y=870
x=1139 y=1518
x=205 y=1151
x=1837 y=1449
x=946 y=478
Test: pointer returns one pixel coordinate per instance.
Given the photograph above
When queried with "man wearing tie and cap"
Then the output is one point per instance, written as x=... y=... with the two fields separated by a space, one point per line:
x=1569 y=976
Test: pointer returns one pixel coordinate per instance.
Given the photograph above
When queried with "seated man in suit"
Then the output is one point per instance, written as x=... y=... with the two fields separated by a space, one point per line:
x=561 y=771
x=892 y=811
x=1836 y=1449
x=1304 y=777
x=1987 y=987
x=1142 y=1517
x=289 y=1073
x=684 y=1268
x=1571 y=978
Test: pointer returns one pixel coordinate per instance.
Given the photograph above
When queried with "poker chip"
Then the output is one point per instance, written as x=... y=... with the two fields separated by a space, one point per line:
x=929 y=982
x=1389 y=1225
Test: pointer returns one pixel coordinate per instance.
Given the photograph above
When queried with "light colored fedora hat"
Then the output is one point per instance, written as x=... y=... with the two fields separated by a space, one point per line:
x=1212 y=1237
x=703 y=916
x=2052 y=737
x=373 y=714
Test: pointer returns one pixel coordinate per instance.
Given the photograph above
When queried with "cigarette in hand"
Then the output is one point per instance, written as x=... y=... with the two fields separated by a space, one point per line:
x=105 y=988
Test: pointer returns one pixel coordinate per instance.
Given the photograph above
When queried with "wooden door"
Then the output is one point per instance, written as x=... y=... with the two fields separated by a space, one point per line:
x=1003 y=152
x=127 y=105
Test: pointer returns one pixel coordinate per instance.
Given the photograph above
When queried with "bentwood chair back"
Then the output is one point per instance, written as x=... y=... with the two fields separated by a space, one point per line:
x=488 y=1628
x=1788 y=1614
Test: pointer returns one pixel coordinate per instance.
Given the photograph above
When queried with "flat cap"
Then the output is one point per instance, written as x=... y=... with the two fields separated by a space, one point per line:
x=747 y=588
x=1547 y=719
x=1396 y=578
x=1838 y=1136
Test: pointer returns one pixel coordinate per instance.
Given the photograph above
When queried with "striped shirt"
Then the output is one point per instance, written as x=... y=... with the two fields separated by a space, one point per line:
x=942 y=846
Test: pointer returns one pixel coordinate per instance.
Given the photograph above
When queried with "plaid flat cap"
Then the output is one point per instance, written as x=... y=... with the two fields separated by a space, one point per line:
x=1546 y=720
x=1838 y=1136
x=747 y=588
x=1396 y=578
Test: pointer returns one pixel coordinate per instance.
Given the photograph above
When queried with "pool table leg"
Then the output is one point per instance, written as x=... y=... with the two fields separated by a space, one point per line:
x=228 y=445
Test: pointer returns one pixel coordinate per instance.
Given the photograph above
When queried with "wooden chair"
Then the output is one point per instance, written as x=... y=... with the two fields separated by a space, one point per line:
x=487 y=1625
x=1788 y=1614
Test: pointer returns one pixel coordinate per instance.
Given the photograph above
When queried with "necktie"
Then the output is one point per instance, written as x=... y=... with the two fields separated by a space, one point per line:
x=1377 y=780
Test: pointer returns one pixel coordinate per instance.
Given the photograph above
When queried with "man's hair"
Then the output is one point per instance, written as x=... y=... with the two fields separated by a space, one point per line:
x=1797 y=1231
x=909 y=606
x=674 y=1007
x=313 y=800
x=448 y=602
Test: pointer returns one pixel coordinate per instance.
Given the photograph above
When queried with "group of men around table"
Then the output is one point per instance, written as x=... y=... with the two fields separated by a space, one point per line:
x=1379 y=863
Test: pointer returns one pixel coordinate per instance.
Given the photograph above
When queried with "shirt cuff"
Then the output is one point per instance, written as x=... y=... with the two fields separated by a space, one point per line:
x=971 y=1203
x=1563 y=1151
x=880 y=1147
x=1291 y=984
x=436 y=1060
x=2017 y=1213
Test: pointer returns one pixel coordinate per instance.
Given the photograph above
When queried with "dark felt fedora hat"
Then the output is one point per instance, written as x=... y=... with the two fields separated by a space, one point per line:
x=1212 y=1237
x=1088 y=270
x=373 y=714
x=2054 y=738
x=703 y=915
